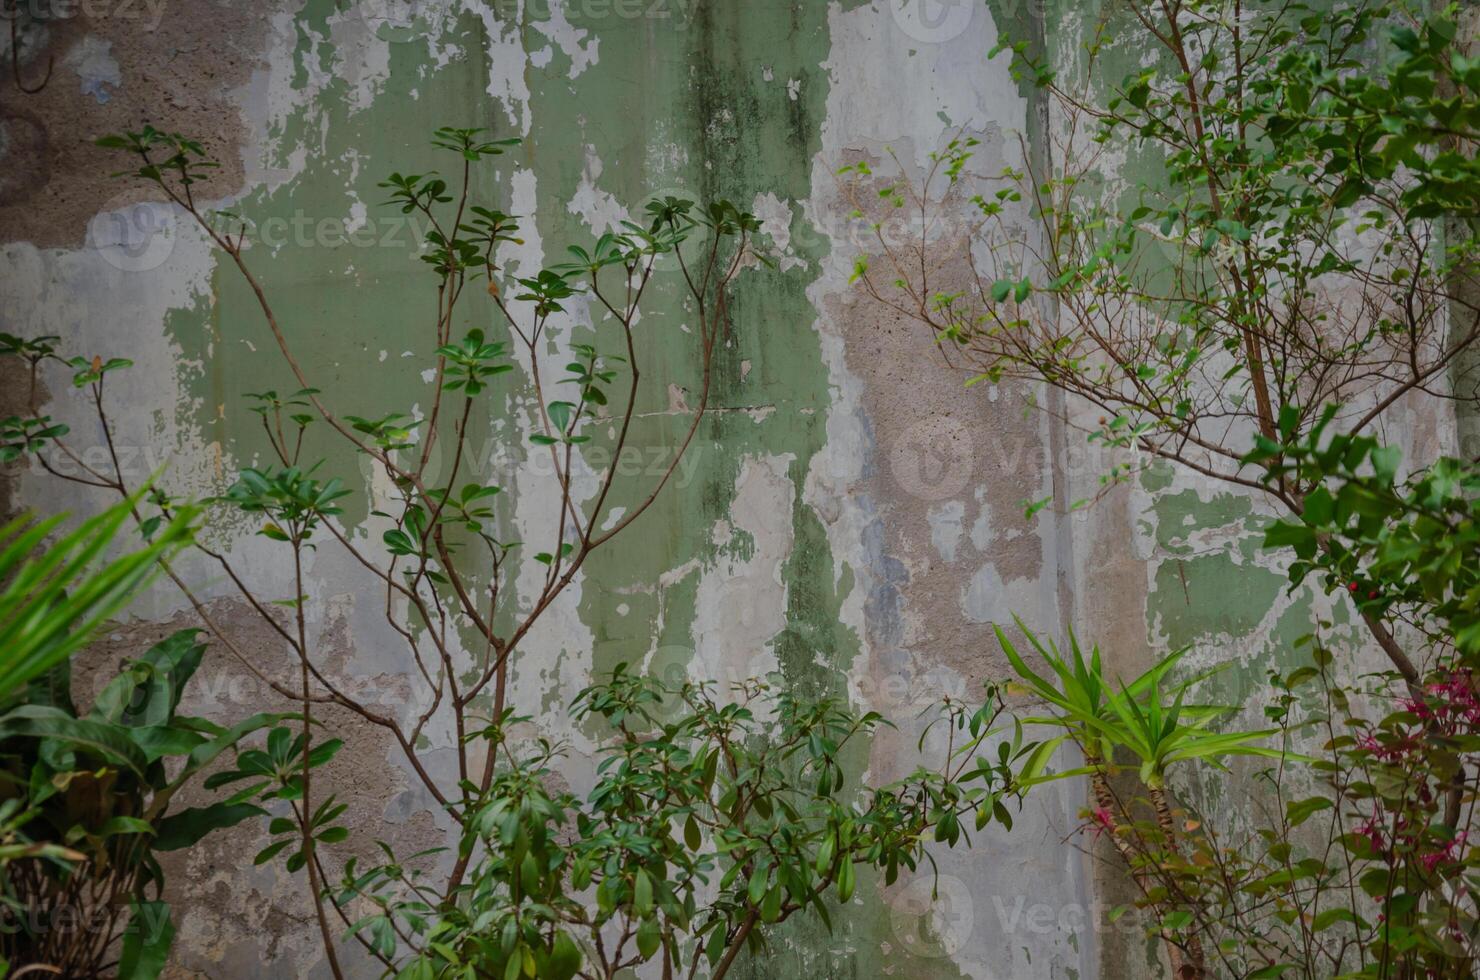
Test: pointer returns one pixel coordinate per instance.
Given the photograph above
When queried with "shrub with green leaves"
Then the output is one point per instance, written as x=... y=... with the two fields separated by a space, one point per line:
x=92 y=799
x=1356 y=852
x=711 y=820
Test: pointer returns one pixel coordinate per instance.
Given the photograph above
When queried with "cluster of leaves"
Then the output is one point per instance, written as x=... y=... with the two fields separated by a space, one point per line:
x=1404 y=549
x=709 y=820
x=293 y=502
x=99 y=787
x=53 y=603
x=277 y=773
x=166 y=156
x=23 y=434
x=1147 y=718
x=1416 y=121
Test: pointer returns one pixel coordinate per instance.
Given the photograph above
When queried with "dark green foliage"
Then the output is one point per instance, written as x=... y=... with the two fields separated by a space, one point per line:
x=100 y=787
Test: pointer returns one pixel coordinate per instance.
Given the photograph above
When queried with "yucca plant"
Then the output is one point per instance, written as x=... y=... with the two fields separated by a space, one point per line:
x=1147 y=717
x=1148 y=720
x=1078 y=690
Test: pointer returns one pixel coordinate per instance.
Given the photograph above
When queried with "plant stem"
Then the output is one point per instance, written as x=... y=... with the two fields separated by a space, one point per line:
x=1196 y=968
x=306 y=819
x=736 y=945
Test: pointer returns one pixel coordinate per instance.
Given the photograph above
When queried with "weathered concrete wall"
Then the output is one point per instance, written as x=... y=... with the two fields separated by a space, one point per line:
x=850 y=518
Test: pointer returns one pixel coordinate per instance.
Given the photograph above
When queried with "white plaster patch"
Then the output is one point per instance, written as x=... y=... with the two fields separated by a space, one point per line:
x=987 y=599
x=555 y=660
x=598 y=209
x=61 y=292
x=982 y=534
x=504 y=53
x=946 y=527
x=741 y=605
x=775 y=218
x=576 y=43
x=97 y=70
x=359 y=217
x=899 y=89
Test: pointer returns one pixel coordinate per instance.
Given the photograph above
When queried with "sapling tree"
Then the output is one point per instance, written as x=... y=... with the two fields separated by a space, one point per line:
x=1299 y=234
x=450 y=559
x=454 y=569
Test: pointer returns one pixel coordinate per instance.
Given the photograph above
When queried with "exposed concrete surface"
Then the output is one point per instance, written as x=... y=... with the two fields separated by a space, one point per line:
x=852 y=518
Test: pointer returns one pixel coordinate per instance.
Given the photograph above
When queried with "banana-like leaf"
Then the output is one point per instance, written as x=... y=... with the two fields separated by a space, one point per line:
x=158 y=741
x=146 y=941
x=102 y=741
x=148 y=691
x=186 y=828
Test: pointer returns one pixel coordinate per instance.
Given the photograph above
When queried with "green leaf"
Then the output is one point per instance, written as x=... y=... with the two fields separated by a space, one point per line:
x=146 y=941
x=1299 y=811
x=756 y=887
x=1331 y=916
x=271 y=851
x=565 y=957
x=691 y=835
x=560 y=415
x=846 y=880
x=1385 y=460
x=1289 y=534
x=1176 y=919
x=106 y=742
x=125 y=825
x=825 y=854
x=188 y=827
x=642 y=892
x=771 y=905
x=649 y=938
